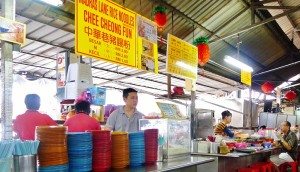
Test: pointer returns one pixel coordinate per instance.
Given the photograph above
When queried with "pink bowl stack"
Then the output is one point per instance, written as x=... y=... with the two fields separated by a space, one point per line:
x=151 y=145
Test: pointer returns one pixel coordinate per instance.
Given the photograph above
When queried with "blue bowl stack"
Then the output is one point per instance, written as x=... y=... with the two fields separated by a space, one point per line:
x=137 y=148
x=80 y=149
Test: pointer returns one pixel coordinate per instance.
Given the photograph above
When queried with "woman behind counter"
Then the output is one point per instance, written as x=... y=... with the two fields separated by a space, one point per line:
x=221 y=128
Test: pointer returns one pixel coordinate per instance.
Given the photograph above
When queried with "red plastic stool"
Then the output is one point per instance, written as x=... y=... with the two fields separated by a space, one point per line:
x=294 y=166
x=248 y=170
x=263 y=166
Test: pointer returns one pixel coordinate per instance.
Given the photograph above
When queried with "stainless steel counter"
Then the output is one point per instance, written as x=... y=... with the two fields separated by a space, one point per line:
x=240 y=160
x=236 y=154
x=172 y=164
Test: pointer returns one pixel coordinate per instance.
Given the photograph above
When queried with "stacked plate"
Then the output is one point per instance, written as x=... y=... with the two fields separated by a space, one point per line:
x=151 y=145
x=52 y=150
x=57 y=168
x=80 y=148
x=101 y=150
x=120 y=149
x=137 y=148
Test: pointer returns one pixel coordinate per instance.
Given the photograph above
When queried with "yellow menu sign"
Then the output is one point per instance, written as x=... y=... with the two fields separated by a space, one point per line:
x=105 y=31
x=181 y=58
x=246 y=77
x=147 y=58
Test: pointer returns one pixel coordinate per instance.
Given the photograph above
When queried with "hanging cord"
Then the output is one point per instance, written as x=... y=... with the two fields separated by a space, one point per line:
x=141 y=11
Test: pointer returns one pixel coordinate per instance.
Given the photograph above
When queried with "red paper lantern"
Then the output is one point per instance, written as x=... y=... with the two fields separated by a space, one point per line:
x=160 y=16
x=267 y=87
x=290 y=95
x=203 y=50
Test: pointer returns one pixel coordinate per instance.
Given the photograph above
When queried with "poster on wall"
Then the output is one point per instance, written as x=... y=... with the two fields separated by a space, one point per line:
x=105 y=31
x=181 y=58
x=12 y=31
x=61 y=70
x=147 y=45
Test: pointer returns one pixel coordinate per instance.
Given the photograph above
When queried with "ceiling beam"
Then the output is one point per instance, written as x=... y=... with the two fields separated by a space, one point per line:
x=273 y=7
x=250 y=27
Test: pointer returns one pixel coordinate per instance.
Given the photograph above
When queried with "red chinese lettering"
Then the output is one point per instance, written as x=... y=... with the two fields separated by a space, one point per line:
x=126 y=44
x=105 y=37
x=120 y=42
x=88 y=30
x=97 y=34
x=113 y=40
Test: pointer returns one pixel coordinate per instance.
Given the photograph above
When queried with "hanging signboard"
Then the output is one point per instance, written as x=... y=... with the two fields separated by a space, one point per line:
x=246 y=77
x=106 y=31
x=61 y=70
x=181 y=58
x=147 y=45
x=169 y=110
x=12 y=31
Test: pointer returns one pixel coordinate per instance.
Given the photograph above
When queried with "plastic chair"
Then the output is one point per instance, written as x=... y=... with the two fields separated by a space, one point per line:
x=248 y=170
x=263 y=166
x=293 y=165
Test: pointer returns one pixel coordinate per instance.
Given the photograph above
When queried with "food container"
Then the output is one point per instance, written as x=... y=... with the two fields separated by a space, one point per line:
x=224 y=150
x=175 y=133
x=242 y=145
x=214 y=147
x=203 y=146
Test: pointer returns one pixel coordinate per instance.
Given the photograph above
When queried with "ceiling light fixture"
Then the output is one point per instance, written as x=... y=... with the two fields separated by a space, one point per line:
x=53 y=2
x=237 y=63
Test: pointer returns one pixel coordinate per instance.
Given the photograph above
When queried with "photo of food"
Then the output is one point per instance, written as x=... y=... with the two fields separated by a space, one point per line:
x=148 y=63
x=147 y=48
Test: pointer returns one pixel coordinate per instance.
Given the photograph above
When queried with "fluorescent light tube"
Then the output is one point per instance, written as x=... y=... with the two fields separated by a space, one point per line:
x=53 y=2
x=238 y=64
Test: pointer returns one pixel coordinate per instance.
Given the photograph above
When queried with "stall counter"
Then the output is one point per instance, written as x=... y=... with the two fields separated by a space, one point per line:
x=187 y=163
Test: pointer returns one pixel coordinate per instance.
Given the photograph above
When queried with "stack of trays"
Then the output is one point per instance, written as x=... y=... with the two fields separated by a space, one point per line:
x=80 y=149
x=120 y=149
x=137 y=148
x=101 y=150
x=151 y=145
x=52 y=150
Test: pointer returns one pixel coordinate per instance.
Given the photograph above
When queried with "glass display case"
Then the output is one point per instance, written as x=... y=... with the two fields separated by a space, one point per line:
x=174 y=135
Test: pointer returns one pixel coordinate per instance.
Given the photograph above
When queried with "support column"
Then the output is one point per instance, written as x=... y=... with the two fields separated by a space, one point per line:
x=193 y=118
x=8 y=11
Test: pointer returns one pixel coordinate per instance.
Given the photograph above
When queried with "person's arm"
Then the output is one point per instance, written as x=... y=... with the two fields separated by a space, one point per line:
x=111 y=121
x=228 y=132
x=286 y=144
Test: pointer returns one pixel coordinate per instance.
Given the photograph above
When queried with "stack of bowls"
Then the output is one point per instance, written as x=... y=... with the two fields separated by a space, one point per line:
x=101 y=150
x=137 y=148
x=52 y=151
x=120 y=149
x=151 y=145
x=80 y=149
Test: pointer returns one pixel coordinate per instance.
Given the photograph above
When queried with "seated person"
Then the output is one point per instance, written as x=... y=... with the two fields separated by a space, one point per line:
x=221 y=128
x=261 y=131
x=82 y=121
x=288 y=143
x=25 y=124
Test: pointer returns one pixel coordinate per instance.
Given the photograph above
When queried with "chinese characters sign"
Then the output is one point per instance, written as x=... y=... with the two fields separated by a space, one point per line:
x=181 y=58
x=106 y=31
x=246 y=77
x=12 y=31
x=61 y=67
x=147 y=45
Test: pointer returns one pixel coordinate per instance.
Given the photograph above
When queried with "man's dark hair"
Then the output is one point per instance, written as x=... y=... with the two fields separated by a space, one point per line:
x=83 y=107
x=32 y=101
x=127 y=91
x=262 y=127
x=226 y=113
x=288 y=124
